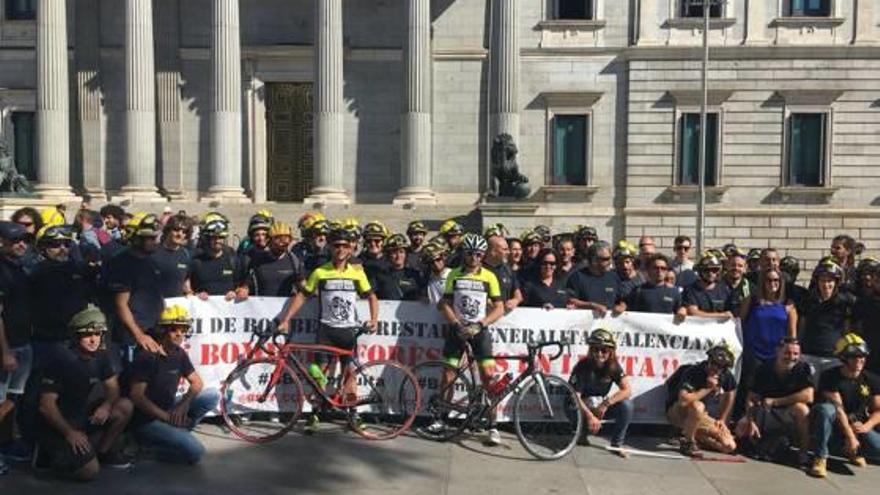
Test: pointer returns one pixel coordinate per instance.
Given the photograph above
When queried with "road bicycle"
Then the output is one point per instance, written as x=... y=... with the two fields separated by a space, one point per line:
x=272 y=383
x=545 y=412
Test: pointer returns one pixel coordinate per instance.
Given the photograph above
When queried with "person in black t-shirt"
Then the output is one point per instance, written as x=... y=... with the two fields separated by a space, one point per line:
x=81 y=411
x=496 y=260
x=824 y=316
x=282 y=273
x=847 y=416
x=708 y=296
x=687 y=389
x=134 y=280
x=734 y=278
x=594 y=287
x=162 y=423
x=218 y=270
x=373 y=255
x=398 y=282
x=312 y=250
x=546 y=290
x=174 y=258
x=564 y=247
x=779 y=398
x=625 y=267
x=592 y=377
x=416 y=232
x=866 y=313
x=655 y=296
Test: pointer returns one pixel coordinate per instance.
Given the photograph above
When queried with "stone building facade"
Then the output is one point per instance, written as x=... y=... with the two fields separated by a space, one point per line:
x=395 y=103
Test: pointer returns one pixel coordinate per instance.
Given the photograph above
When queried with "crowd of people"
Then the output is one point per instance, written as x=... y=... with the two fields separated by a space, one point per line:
x=90 y=352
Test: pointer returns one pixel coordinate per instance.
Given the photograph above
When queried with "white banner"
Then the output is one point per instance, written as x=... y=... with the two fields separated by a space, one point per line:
x=650 y=346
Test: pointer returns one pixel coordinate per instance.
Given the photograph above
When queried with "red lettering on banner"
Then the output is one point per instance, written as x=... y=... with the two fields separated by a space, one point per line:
x=209 y=354
x=647 y=368
x=669 y=366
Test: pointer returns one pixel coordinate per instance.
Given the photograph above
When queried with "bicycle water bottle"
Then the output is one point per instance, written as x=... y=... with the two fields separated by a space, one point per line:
x=500 y=384
x=318 y=374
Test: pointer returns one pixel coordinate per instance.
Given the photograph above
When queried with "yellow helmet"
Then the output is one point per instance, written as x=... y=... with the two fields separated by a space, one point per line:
x=141 y=225
x=213 y=216
x=265 y=213
x=175 y=315
x=851 y=345
x=51 y=216
x=54 y=233
x=279 y=229
x=375 y=229
x=309 y=219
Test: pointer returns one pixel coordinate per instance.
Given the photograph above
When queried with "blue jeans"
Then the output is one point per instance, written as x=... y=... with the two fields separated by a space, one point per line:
x=827 y=436
x=178 y=445
x=622 y=414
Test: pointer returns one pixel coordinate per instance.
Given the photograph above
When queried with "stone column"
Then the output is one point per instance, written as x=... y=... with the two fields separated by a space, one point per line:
x=53 y=101
x=90 y=98
x=505 y=70
x=226 y=158
x=169 y=160
x=140 y=102
x=415 y=150
x=328 y=105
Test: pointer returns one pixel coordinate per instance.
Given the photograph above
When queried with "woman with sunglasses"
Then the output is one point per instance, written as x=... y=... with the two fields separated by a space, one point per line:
x=546 y=290
x=593 y=377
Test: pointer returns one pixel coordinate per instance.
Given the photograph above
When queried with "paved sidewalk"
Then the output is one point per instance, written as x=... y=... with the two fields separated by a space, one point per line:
x=336 y=461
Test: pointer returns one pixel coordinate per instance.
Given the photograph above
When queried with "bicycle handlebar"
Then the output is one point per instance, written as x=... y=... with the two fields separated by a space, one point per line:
x=560 y=344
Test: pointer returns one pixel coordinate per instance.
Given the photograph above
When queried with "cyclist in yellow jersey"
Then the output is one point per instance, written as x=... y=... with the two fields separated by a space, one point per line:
x=471 y=302
x=338 y=284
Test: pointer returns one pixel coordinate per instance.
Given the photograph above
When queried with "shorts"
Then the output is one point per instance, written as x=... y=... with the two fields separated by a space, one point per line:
x=13 y=383
x=61 y=456
x=342 y=338
x=707 y=432
x=481 y=343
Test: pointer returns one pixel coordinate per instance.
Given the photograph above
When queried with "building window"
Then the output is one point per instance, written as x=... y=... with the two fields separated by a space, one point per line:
x=23 y=143
x=689 y=149
x=808 y=8
x=21 y=10
x=570 y=141
x=807 y=142
x=574 y=9
x=694 y=8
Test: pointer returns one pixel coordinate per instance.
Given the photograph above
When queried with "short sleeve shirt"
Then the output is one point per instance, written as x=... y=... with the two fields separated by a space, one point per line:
x=714 y=300
x=592 y=382
x=175 y=266
x=16 y=303
x=142 y=279
x=75 y=377
x=338 y=292
x=277 y=277
x=602 y=289
x=217 y=276
x=855 y=393
x=649 y=298
x=508 y=282
x=399 y=285
x=824 y=322
x=162 y=375
x=766 y=383
x=67 y=288
x=696 y=378
x=471 y=292
x=537 y=295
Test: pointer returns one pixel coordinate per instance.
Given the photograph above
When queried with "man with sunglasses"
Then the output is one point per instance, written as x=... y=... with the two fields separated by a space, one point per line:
x=218 y=270
x=687 y=390
x=471 y=302
x=174 y=258
x=162 y=423
x=373 y=255
x=847 y=414
x=398 y=282
x=655 y=296
x=708 y=297
x=16 y=351
x=81 y=412
x=595 y=287
x=778 y=403
x=734 y=277
x=436 y=273
x=682 y=260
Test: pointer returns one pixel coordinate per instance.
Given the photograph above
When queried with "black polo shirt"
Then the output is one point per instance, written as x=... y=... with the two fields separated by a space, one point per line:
x=279 y=276
x=174 y=267
x=766 y=383
x=16 y=302
x=414 y=260
x=714 y=300
x=66 y=287
x=78 y=379
x=824 y=322
x=399 y=285
x=508 y=282
x=217 y=275
x=373 y=266
x=310 y=256
x=856 y=394
x=686 y=278
x=649 y=298
x=602 y=289
x=162 y=375
x=627 y=285
x=536 y=294
x=141 y=278
x=590 y=381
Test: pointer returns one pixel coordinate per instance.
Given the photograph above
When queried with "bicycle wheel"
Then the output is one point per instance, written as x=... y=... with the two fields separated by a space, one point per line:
x=256 y=407
x=546 y=417
x=444 y=409
x=387 y=400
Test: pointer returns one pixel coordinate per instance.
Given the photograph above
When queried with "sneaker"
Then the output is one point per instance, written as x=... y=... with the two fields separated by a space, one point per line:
x=819 y=468
x=493 y=438
x=688 y=448
x=17 y=450
x=114 y=459
x=436 y=428
x=858 y=461
x=312 y=424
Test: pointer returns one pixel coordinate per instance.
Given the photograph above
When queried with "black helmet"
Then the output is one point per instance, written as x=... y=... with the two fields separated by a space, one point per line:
x=340 y=233
x=791 y=266
x=754 y=254
x=416 y=227
x=721 y=355
x=586 y=232
x=708 y=261
x=396 y=241
x=828 y=266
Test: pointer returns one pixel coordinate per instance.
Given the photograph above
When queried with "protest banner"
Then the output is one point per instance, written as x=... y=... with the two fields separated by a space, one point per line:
x=650 y=346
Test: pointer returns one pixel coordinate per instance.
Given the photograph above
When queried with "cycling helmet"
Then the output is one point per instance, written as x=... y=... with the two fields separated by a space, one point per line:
x=174 y=316
x=721 y=355
x=474 y=242
x=279 y=229
x=416 y=227
x=851 y=345
x=89 y=320
x=375 y=229
x=451 y=227
x=624 y=249
x=603 y=338
x=396 y=241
